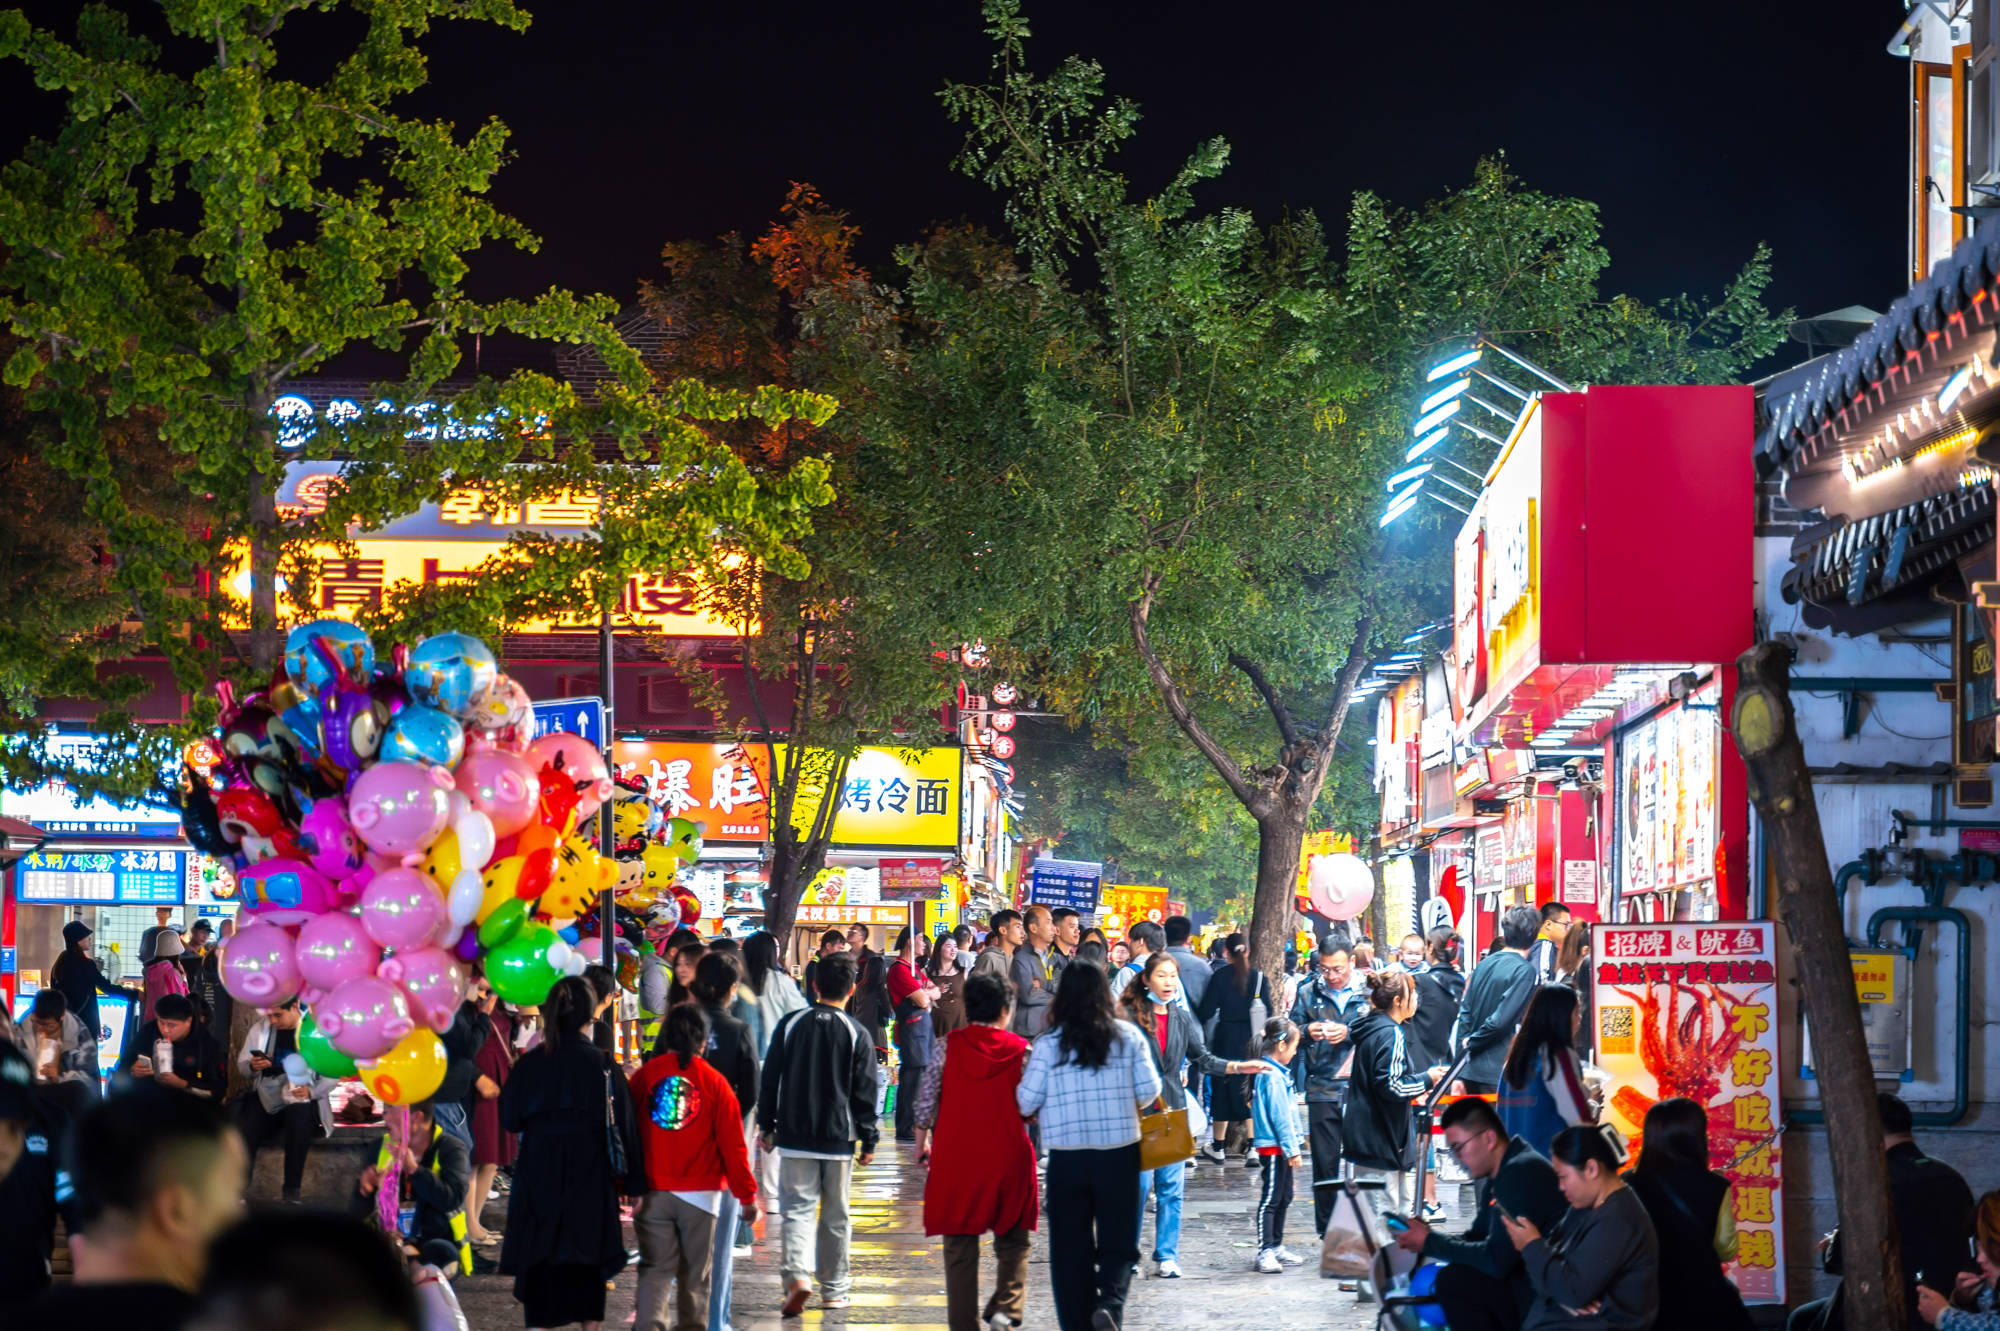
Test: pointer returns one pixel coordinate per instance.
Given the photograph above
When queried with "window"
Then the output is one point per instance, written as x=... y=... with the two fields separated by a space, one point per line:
x=1936 y=155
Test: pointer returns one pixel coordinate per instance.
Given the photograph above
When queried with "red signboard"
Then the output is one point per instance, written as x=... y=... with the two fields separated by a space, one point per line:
x=911 y=880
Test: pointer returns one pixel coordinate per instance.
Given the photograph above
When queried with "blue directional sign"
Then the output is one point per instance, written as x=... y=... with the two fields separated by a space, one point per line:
x=582 y=717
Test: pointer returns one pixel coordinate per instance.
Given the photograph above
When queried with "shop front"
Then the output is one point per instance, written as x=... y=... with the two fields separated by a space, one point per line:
x=1585 y=638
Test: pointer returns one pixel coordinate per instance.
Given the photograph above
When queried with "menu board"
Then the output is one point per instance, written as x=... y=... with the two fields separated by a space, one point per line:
x=102 y=877
x=1071 y=883
x=1691 y=1010
x=1666 y=774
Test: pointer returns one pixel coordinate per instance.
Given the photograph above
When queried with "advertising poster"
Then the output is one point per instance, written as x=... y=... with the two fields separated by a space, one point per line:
x=911 y=880
x=1667 y=772
x=1691 y=1010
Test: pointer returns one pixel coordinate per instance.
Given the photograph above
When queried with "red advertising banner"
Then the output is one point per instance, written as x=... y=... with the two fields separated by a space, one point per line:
x=911 y=880
x=1691 y=1009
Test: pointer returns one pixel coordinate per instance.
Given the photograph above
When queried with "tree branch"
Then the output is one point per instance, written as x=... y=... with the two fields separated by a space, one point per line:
x=1287 y=730
x=1343 y=694
x=1232 y=776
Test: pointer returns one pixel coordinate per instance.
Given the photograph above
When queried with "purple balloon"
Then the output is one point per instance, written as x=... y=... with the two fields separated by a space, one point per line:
x=433 y=982
x=403 y=909
x=258 y=965
x=328 y=841
x=399 y=808
x=468 y=945
x=364 y=1018
x=334 y=949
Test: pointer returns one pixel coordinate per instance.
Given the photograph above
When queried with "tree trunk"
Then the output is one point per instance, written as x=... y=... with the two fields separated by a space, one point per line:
x=265 y=546
x=1766 y=733
x=781 y=897
x=1279 y=840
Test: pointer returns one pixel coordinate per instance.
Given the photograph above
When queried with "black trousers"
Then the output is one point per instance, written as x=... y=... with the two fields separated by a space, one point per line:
x=1473 y=1087
x=1323 y=1132
x=1093 y=1219
x=295 y=1125
x=1475 y=1301
x=909 y=1078
x=1273 y=1200
x=1820 y=1315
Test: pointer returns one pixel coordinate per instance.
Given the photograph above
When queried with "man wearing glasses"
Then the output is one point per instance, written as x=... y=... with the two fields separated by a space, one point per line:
x=1485 y=1287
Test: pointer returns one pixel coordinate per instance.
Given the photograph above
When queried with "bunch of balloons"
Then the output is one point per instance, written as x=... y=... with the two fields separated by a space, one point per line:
x=390 y=826
x=655 y=853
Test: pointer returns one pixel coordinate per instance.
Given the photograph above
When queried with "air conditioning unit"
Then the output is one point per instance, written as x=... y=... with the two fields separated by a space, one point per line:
x=663 y=694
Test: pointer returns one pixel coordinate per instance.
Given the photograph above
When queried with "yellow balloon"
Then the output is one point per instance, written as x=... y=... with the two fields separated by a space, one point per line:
x=409 y=1073
x=441 y=862
x=581 y=873
x=502 y=878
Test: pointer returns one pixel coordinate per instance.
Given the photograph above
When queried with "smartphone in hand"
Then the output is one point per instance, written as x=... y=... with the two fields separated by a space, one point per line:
x=1397 y=1224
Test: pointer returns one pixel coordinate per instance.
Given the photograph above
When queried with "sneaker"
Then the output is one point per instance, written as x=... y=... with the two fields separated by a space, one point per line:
x=1432 y=1211
x=1169 y=1270
x=1102 y=1320
x=835 y=1302
x=1250 y=1158
x=1268 y=1263
x=999 y=1322
x=1288 y=1257
x=796 y=1299
x=1212 y=1150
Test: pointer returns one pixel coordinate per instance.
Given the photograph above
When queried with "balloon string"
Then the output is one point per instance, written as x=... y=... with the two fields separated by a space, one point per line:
x=388 y=1193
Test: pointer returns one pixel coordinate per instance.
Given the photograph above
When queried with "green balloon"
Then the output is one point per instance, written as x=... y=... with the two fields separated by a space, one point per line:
x=519 y=968
x=504 y=923
x=319 y=1053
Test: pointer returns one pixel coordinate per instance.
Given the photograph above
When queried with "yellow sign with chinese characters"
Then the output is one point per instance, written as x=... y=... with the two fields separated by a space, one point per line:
x=888 y=801
x=663 y=603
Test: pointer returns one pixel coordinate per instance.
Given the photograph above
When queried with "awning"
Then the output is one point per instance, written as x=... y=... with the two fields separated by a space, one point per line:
x=1858 y=577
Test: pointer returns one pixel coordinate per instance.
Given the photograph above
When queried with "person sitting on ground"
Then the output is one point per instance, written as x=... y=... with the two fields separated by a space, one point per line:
x=433 y=1171
x=32 y=1130
x=156 y=1176
x=1485 y=1287
x=193 y=1056
x=1694 y=1213
x=1599 y=1268
x=1972 y=1304
x=306 y=1271
x=1933 y=1208
x=1541 y=1085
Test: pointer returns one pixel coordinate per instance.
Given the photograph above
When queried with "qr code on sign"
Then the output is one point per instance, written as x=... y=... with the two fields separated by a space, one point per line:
x=1617 y=1030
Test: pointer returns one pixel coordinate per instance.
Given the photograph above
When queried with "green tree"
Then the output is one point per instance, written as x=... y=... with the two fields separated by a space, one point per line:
x=1187 y=419
x=203 y=227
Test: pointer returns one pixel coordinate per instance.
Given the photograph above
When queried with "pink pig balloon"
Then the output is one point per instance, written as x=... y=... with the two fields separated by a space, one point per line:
x=364 y=1018
x=328 y=842
x=258 y=965
x=577 y=760
x=403 y=909
x=334 y=949
x=399 y=808
x=433 y=983
x=501 y=785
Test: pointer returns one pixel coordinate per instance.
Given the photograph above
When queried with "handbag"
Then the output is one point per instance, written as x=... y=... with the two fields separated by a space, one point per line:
x=614 y=1136
x=1164 y=1139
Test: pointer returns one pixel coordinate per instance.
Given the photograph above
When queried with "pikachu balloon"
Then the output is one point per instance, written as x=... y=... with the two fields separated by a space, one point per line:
x=581 y=873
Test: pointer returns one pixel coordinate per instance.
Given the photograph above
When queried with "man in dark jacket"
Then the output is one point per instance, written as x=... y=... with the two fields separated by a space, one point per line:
x=817 y=1102
x=1036 y=968
x=869 y=1003
x=1934 y=1211
x=197 y=1056
x=462 y=1043
x=435 y=1172
x=1485 y=1287
x=31 y=1140
x=1195 y=974
x=1327 y=1002
x=830 y=942
x=1498 y=994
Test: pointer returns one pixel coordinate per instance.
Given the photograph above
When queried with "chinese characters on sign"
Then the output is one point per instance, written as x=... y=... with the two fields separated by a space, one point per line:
x=103 y=877
x=1691 y=1010
x=1120 y=907
x=716 y=784
x=911 y=880
x=1072 y=883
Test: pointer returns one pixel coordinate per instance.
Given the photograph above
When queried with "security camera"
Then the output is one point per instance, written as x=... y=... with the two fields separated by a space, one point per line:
x=1683 y=684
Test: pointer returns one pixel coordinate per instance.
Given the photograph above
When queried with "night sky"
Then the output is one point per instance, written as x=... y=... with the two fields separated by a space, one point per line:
x=1700 y=126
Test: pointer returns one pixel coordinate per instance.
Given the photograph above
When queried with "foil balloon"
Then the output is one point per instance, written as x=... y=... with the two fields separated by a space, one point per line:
x=351 y=720
x=632 y=814
x=683 y=838
x=319 y=1053
x=402 y=909
x=398 y=809
x=1340 y=886
x=581 y=873
x=365 y=1018
x=334 y=949
x=577 y=761
x=505 y=717
x=285 y=891
x=327 y=840
x=346 y=643
x=419 y=734
x=450 y=671
x=252 y=822
x=690 y=907
x=258 y=965
x=501 y=785
x=662 y=867
x=433 y=983
x=519 y=969
x=409 y=1073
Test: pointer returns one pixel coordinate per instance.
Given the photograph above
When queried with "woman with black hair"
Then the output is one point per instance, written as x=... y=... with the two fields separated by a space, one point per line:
x=1239 y=1000
x=911 y=995
x=1088 y=1076
x=76 y=975
x=1440 y=989
x=1377 y=1128
x=1541 y=1087
x=569 y=1102
x=948 y=977
x=1694 y=1216
x=1599 y=1269
x=772 y=992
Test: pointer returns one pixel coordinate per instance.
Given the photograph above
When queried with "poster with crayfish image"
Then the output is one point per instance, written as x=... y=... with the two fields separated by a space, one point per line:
x=1691 y=1009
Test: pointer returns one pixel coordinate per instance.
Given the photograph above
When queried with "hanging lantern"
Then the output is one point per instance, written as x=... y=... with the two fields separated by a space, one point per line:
x=1003 y=746
x=1003 y=720
x=1004 y=693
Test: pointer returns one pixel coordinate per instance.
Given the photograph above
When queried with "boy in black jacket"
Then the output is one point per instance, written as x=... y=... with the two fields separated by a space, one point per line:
x=1486 y=1287
x=817 y=1101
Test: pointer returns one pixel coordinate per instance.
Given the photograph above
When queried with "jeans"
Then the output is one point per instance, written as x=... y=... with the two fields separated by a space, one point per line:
x=722 y=1260
x=1093 y=1210
x=453 y=1118
x=1171 y=1183
x=806 y=1186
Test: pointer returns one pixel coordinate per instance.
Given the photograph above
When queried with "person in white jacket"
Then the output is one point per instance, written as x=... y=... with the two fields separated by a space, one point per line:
x=287 y=1100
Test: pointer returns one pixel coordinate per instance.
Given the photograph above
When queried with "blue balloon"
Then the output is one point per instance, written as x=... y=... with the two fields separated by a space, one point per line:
x=571 y=934
x=348 y=644
x=302 y=718
x=1423 y=1284
x=451 y=672
x=419 y=734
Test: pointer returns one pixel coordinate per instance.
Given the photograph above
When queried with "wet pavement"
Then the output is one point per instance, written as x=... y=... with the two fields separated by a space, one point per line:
x=899 y=1271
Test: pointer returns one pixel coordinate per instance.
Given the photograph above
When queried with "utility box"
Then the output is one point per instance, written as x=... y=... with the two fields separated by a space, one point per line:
x=1882 y=983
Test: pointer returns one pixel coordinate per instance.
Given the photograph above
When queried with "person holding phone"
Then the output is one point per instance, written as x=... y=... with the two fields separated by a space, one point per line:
x=1599 y=1268
x=1972 y=1304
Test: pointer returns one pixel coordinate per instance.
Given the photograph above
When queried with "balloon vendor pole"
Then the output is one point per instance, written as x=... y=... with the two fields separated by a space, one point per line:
x=389 y=1188
x=607 y=837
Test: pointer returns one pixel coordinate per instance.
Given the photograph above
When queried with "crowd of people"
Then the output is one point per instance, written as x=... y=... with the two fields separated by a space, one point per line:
x=1026 y=1060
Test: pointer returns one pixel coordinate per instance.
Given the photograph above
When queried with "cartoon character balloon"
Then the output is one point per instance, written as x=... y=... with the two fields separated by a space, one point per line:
x=410 y=1072
x=347 y=644
x=284 y=891
x=398 y=809
x=432 y=981
x=258 y=965
x=365 y=1018
x=402 y=909
x=505 y=717
x=450 y=671
x=576 y=760
x=501 y=785
x=327 y=840
x=333 y=949
x=419 y=734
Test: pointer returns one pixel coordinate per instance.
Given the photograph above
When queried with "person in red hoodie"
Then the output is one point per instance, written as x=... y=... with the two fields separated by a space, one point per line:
x=691 y=1134
x=982 y=1175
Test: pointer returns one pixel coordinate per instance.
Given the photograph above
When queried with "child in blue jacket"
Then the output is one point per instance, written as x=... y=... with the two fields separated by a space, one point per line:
x=1277 y=1145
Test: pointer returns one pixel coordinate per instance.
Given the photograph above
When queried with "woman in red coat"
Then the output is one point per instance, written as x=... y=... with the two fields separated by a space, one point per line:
x=492 y=1145
x=968 y=1125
